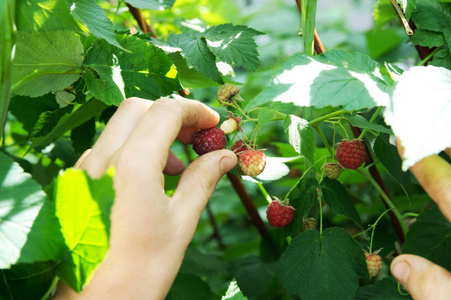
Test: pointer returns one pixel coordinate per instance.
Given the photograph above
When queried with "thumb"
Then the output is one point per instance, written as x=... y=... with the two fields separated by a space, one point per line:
x=422 y=278
x=199 y=180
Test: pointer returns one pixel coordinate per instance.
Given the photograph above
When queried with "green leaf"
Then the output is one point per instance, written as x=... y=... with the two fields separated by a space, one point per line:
x=83 y=208
x=361 y=122
x=152 y=4
x=313 y=265
x=338 y=200
x=407 y=7
x=115 y=74
x=47 y=122
x=380 y=41
x=95 y=19
x=255 y=276
x=46 y=62
x=234 y=45
x=424 y=128
x=442 y=59
x=233 y=292
x=188 y=287
x=430 y=237
x=70 y=121
x=385 y=289
x=301 y=136
x=197 y=54
x=83 y=136
x=43 y=15
x=335 y=78
x=427 y=38
x=29 y=231
x=388 y=155
x=265 y=116
x=64 y=98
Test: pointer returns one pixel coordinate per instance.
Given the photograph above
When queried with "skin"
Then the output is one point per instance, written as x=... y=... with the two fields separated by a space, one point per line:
x=149 y=230
x=422 y=278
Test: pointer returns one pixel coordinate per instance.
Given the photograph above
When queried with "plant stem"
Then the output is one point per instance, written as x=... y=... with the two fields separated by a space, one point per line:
x=387 y=200
x=7 y=55
x=294 y=186
x=373 y=118
x=323 y=138
x=427 y=58
x=264 y=192
x=374 y=228
x=320 y=202
x=328 y=116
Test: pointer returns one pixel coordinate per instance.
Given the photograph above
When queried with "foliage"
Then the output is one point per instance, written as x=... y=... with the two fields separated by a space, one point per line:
x=67 y=65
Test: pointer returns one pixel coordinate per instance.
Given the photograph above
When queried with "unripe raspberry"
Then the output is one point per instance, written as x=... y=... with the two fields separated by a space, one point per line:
x=332 y=170
x=309 y=223
x=229 y=126
x=228 y=94
x=251 y=162
x=373 y=262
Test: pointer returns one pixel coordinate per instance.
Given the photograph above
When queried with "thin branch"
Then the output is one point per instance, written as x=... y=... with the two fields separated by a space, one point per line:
x=248 y=204
x=317 y=45
x=137 y=14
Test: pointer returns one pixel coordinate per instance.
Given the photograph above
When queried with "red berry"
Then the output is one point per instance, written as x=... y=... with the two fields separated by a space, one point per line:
x=278 y=214
x=207 y=140
x=373 y=262
x=251 y=162
x=351 y=154
x=332 y=170
x=239 y=147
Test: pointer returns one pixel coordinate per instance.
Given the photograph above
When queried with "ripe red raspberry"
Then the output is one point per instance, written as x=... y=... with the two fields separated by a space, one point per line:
x=251 y=162
x=351 y=154
x=373 y=262
x=278 y=214
x=207 y=140
x=332 y=170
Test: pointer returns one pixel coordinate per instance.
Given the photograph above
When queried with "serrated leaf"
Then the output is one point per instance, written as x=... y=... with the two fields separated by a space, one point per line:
x=385 y=289
x=188 y=286
x=430 y=237
x=338 y=200
x=197 y=54
x=64 y=98
x=115 y=74
x=234 y=45
x=265 y=116
x=313 y=265
x=83 y=208
x=427 y=38
x=442 y=59
x=301 y=136
x=233 y=292
x=83 y=136
x=29 y=231
x=254 y=276
x=388 y=155
x=95 y=19
x=46 y=62
x=432 y=15
x=424 y=129
x=335 y=78
x=152 y=4
x=361 y=122
x=47 y=122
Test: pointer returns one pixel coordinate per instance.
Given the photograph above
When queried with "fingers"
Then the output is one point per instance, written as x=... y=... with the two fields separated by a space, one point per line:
x=423 y=279
x=150 y=141
x=174 y=166
x=198 y=182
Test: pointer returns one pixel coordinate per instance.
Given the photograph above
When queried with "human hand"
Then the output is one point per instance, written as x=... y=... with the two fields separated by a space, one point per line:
x=149 y=230
x=422 y=278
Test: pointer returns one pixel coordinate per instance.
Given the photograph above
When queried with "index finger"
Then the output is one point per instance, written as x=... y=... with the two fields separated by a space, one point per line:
x=147 y=147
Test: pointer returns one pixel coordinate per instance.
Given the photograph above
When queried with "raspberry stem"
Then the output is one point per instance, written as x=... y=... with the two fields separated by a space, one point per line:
x=323 y=138
x=264 y=192
x=374 y=228
x=373 y=118
x=327 y=117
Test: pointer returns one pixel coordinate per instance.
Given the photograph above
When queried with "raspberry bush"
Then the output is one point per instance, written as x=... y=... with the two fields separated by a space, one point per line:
x=290 y=101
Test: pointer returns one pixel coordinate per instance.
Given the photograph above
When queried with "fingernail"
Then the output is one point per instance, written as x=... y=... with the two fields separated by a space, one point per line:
x=401 y=271
x=227 y=163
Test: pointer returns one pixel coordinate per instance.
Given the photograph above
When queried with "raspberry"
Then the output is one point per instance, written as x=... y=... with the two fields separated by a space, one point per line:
x=309 y=223
x=229 y=126
x=251 y=162
x=373 y=262
x=228 y=94
x=278 y=214
x=239 y=147
x=351 y=154
x=207 y=140
x=332 y=170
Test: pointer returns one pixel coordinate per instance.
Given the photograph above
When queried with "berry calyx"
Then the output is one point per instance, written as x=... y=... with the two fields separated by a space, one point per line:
x=309 y=223
x=373 y=262
x=332 y=170
x=351 y=154
x=239 y=147
x=279 y=214
x=228 y=94
x=207 y=140
x=251 y=162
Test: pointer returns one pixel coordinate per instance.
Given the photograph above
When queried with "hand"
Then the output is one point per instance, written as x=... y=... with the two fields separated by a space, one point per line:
x=149 y=230
x=423 y=279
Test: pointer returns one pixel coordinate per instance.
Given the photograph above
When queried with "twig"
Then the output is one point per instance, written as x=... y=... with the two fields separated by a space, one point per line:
x=137 y=14
x=401 y=16
x=248 y=204
x=317 y=45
